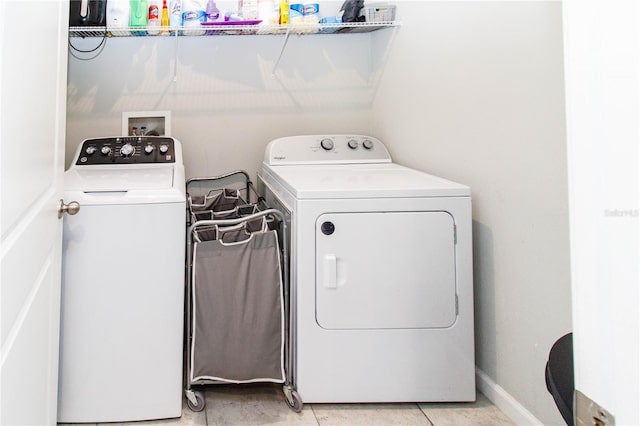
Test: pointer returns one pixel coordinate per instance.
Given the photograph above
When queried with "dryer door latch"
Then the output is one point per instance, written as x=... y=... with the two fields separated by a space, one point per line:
x=330 y=271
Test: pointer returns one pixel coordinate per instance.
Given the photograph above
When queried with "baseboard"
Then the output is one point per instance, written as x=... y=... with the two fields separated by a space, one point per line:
x=503 y=400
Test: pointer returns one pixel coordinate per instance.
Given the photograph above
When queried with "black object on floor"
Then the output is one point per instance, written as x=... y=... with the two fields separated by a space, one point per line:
x=559 y=376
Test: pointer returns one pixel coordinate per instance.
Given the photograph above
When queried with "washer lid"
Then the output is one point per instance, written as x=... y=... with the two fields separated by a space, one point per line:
x=112 y=178
x=361 y=181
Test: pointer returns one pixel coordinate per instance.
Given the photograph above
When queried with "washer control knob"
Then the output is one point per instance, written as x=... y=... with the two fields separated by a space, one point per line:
x=367 y=144
x=127 y=150
x=353 y=144
x=326 y=144
x=149 y=149
x=164 y=148
x=91 y=150
x=105 y=150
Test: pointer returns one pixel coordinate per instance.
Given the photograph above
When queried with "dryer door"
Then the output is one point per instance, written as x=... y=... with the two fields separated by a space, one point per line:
x=385 y=270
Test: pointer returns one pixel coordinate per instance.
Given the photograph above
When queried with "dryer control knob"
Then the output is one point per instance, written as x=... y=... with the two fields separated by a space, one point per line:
x=353 y=144
x=326 y=144
x=91 y=150
x=149 y=149
x=367 y=144
x=164 y=148
x=105 y=150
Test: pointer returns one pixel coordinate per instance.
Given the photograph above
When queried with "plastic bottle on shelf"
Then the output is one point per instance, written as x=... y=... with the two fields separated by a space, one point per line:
x=134 y=131
x=284 y=12
x=143 y=130
x=212 y=12
x=193 y=13
x=118 y=16
x=164 y=20
x=139 y=15
x=175 y=13
x=154 y=17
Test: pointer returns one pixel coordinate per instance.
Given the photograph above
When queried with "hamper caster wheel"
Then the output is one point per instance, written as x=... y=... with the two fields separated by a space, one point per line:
x=199 y=403
x=296 y=403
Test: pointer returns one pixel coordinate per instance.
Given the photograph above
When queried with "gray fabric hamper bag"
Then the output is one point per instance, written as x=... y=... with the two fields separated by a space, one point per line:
x=238 y=317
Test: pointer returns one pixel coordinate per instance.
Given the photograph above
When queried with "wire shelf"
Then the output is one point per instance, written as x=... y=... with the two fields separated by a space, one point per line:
x=222 y=30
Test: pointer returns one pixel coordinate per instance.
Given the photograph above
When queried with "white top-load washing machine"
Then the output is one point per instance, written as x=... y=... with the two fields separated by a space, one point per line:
x=123 y=282
x=381 y=274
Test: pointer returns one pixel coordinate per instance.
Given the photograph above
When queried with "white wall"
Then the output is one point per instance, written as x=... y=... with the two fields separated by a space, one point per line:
x=471 y=91
x=226 y=103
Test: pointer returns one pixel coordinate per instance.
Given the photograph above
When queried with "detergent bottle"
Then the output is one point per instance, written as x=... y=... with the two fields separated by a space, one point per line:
x=139 y=15
x=193 y=13
x=118 y=16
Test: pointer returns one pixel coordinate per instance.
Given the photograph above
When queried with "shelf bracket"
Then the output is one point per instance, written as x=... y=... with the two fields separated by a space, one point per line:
x=284 y=45
x=175 y=57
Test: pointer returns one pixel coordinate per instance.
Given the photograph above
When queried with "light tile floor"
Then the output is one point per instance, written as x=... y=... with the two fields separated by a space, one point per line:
x=264 y=404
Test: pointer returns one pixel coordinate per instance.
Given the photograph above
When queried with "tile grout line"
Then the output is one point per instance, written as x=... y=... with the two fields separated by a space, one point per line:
x=314 y=415
x=424 y=414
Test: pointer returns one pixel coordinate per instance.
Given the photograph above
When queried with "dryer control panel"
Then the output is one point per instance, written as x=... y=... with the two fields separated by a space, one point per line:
x=127 y=150
x=326 y=149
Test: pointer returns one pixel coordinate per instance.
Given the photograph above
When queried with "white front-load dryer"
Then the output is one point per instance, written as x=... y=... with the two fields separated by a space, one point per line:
x=123 y=282
x=381 y=276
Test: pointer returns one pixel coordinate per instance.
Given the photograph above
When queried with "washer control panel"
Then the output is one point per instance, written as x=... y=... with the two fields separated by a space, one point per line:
x=326 y=149
x=127 y=150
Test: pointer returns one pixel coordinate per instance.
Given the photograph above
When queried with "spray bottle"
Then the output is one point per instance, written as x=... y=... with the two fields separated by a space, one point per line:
x=164 y=20
x=284 y=12
x=175 y=13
